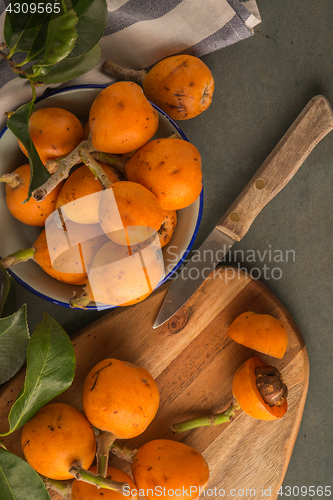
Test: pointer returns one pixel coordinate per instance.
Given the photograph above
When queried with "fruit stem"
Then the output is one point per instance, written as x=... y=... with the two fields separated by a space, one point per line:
x=95 y=168
x=100 y=482
x=12 y=179
x=123 y=453
x=64 y=167
x=117 y=162
x=64 y=488
x=83 y=300
x=52 y=165
x=133 y=75
x=16 y=257
x=215 y=419
x=175 y=135
x=12 y=65
x=104 y=442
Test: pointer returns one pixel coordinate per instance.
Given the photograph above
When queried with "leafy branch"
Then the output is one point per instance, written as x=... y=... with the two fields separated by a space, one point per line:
x=53 y=47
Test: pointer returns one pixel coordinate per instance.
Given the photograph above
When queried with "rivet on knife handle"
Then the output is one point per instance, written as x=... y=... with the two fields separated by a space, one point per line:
x=312 y=125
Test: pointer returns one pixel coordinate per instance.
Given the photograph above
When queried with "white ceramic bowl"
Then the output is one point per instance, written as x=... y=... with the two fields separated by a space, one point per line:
x=15 y=235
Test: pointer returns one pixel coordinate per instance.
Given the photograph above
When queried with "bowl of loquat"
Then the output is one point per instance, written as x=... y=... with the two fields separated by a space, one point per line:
x=158 y=174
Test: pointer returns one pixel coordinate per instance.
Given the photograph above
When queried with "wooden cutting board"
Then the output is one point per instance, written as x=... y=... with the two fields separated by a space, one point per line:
x=193 y=362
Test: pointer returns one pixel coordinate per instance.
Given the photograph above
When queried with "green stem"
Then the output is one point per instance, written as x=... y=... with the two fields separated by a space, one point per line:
x=16 y=257
x=215 y=419
x=64 y=488
x=33 y=89
x=95 y=479
x=13 y=66
x=95 y=168
x=112 y=160
x=132 y=75
x=63 y=3
x=104 y=442
x=123 y=453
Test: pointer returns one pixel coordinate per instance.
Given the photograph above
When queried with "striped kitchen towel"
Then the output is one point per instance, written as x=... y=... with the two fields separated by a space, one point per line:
x=141 y=32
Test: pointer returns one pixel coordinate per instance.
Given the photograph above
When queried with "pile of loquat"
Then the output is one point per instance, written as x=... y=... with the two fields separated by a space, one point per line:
x=110 y=204
x=119 y=400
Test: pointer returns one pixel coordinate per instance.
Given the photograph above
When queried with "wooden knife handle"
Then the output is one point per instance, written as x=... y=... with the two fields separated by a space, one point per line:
x=312 y=125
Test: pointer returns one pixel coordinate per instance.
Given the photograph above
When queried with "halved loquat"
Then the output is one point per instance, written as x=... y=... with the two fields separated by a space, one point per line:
x=260 y=332
x=248 y=395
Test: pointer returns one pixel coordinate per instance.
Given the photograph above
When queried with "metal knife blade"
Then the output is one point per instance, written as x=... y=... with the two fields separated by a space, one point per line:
x=208 y=255
x=312 y=125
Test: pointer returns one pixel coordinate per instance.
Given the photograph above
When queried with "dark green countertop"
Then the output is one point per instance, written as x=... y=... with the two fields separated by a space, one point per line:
x=262 y=83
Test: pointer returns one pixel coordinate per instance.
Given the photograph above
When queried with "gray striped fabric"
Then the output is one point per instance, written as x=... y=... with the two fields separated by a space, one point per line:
x=141 y=32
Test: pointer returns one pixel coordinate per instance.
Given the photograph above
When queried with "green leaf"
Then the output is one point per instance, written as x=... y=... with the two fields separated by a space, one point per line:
x=50 y=371
x=3 y=294
x=60 y=39
x=14 y=340
x=21 y=30
x=36 y=49
x=7 y=299
x=93 y=15
x=49 y=37
x=29 y=33
x=18 y=480
x=18 y=123
x=72 y=68
x=6 y=282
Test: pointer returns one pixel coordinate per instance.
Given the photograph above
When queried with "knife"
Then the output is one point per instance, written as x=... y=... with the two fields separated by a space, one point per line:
x=312 y=125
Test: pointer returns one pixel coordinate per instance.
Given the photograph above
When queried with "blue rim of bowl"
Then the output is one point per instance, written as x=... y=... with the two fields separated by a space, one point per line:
x=102 y=307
